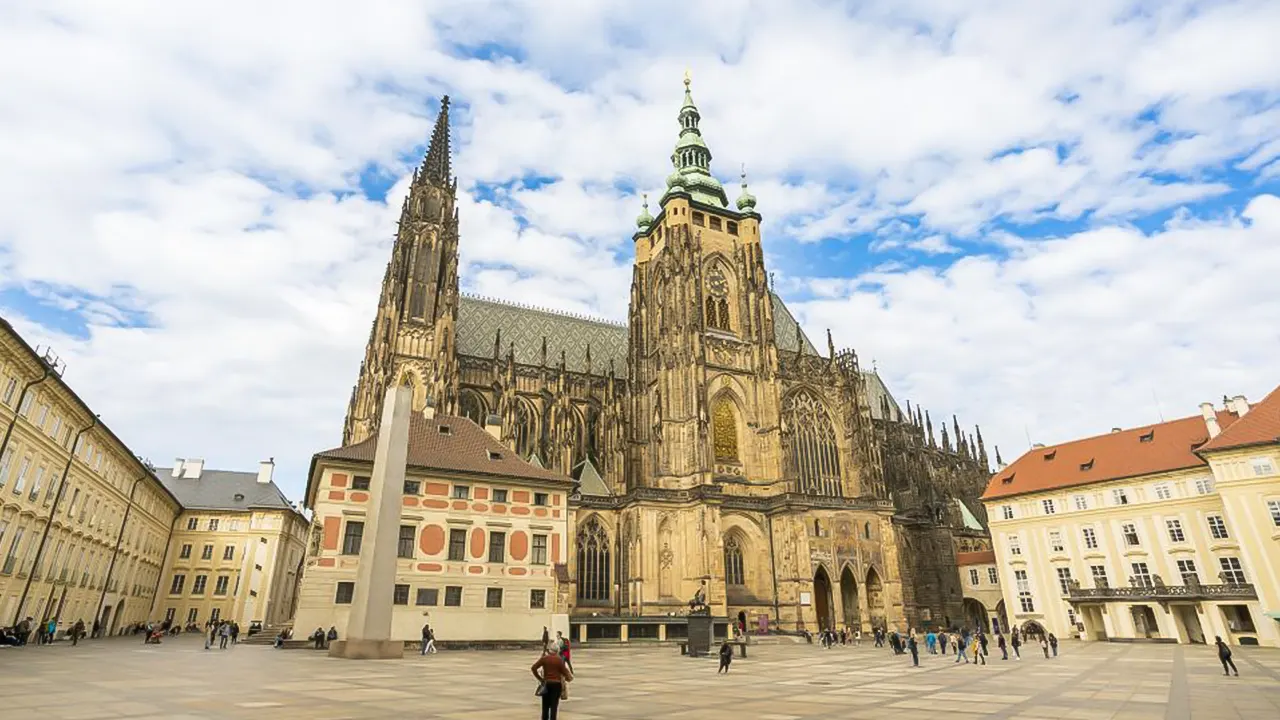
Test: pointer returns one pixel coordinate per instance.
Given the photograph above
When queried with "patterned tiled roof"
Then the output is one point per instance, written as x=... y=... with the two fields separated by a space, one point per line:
x=1259 y=426
x=784 y=328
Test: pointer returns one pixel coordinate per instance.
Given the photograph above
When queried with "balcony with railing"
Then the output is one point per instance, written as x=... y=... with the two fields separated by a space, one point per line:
x=1153 y=589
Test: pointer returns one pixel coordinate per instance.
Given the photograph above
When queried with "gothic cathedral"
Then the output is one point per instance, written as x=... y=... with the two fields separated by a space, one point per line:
x=714 y=446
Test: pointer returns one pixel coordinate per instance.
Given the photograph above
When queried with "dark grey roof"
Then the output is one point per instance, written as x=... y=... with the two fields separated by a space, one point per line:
x=217 y=490
x=877 y=390
x=784 y=328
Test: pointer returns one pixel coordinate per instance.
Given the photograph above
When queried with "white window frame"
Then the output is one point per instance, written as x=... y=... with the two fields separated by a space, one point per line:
x=1163 y=491
x=1081 y=502
x=1007 y=512
x=1217 y=530
x=974 y=577
x=1090 y=538
x=1142 y=573
x=1232 y=567
x=1119 y=496
x=1263 y=466
x=1015 y=545
x=1187 y=567
x=1273 y=508
x=1025 y=600
x=993 y=576
x=1055 y=541
x=1127 y=529
x=1174 y=526
x=1204 y=486
x=1050 y=507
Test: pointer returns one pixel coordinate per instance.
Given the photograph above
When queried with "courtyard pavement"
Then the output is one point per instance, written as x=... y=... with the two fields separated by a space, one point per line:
x=179 y=680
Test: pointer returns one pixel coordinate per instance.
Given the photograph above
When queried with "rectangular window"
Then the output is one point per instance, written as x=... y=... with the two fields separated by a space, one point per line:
x=499 y=496
x=493 y=597
x=1119 y=497
x=192 y=614
x=175 y=588
x=497 y=547
x=22 y=475
x=1099 y=573
x=1187 y=569
x=1090 y=538
x=453 y=596
x=1064 y=580
x=207 y=552
x=360 y=482
x=461 y=492
x=1130 y=532
x=36 y=483
x=428 y=596
x=352 y=537
x=1217 y=528
x=412 y=487
x=4 y=466
x=1007 y=512
x=220 y=585
x=401 y=595
x=1232 y=571
x=404 y=548
x=1273 y=508
x=346 y=590
x=537 y=599
x=1163 y=492
x=229 y=552
x=1175 y=531
x=1055 y=541
x=1204 y=486
x=973 y=577
x=539 y=550
x=1015 y=547
x=1081 y=502
x=733 y=227
x=715 y=222
x=213 y=524
x=1238 y=618
x=193 y=523
x=699 y=219
x=539 y=498
x=9 y=388
x=1025 y=601
x=993 y=577
x=1142 y=575
x=185 y=552
x=197 y=587
x=457 y=544
x=25 y=407
x=1049 y=506
x=1263 y=466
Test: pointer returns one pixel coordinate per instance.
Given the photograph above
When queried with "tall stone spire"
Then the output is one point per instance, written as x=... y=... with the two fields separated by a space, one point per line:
x=435 y=166
x=692 y=158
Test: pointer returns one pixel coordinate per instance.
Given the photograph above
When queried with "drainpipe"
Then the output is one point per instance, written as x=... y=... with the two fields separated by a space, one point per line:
x=53 y=511
x=8 y=432
x=168 y=543
x=128 y=508
x=773 y=573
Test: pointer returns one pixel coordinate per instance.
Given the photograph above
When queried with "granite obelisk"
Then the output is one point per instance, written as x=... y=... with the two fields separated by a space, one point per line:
x=369 y=625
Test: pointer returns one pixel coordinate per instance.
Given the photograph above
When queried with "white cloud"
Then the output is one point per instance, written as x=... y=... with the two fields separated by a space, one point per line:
x=199 y=167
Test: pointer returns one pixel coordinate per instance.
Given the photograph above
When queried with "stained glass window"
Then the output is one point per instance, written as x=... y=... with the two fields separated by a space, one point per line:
x=724 y=430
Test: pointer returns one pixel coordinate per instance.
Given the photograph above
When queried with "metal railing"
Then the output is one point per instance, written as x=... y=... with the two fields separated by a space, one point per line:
x=1226 y=591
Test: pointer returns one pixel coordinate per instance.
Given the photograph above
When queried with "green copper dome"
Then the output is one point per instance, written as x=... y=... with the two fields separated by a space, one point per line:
x=644 y=219
x=746 y=201
x=692 y=159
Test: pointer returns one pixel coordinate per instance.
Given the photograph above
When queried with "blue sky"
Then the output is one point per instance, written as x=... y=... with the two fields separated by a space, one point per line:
x=1037 y=216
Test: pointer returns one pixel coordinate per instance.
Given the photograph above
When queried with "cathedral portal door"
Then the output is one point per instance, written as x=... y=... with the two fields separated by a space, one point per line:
x=849 y=599
x=822 y=599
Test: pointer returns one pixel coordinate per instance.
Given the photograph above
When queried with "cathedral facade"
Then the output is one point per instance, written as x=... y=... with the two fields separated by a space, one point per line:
x=715 y=447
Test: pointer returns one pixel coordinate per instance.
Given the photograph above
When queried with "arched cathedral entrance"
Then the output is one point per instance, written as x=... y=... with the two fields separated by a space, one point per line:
x=822 y=599
x=849 y=599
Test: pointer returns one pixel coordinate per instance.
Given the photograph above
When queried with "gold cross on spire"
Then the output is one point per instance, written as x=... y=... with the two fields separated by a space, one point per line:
x=688 y=77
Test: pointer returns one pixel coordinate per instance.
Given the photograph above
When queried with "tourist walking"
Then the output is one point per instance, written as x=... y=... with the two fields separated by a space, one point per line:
x=1004 y=650
x=235 y=632
x=914 y=648
x=960 y=649
x=1224 y=655
x=224 y=635
x=1044 y=646
x=551 y=682
x=1016 y=642
x=563 y=649
x=857 y=638
x=1053 y=644
x=978 y=652
x=726 y=657
x=546 y=636
x=77 y=632
x=942 y=641
x=426 y=638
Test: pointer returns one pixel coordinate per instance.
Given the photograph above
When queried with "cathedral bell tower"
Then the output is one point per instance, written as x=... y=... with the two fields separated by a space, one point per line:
x=704 y=398
x=411 y=340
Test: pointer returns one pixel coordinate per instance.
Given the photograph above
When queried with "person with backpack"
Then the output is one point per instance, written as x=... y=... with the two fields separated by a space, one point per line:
x=726 y=657
x=1224 y=656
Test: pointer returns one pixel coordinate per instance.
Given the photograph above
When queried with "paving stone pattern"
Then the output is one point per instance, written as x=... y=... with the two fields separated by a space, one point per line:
x=179 y=680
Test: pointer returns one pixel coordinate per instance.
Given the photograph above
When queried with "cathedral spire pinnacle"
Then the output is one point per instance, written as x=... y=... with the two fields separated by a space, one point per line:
x=746 y=201
x=692 y=158
x=435 y=166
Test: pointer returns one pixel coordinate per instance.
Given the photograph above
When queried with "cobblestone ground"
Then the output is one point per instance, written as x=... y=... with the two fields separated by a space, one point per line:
x=180 y=680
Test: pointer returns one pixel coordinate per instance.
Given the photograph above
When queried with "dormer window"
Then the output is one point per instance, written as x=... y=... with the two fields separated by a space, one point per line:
x=1147 y=436
x=495 y=455
x=444 y=430
x=1086 y=465
x=1050 y=455
x=1007 y=480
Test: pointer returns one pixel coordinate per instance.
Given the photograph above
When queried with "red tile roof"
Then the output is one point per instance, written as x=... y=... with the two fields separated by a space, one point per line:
x=1259 y=426
x=981 y=557
x=1139 y=451
x=465 y=447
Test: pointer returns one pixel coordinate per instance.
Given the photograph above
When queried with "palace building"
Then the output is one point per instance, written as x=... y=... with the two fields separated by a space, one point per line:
x=710 y=440
x=1162 y=532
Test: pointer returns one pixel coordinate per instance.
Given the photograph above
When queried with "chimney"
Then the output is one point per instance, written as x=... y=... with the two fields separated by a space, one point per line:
x=177 y=467
x=1210 y=419
x=1115 y=429
x=1239 y=405
x=429 y=412
x=1038 y=446
x=192 y=468
x=493 y=426
x=265 y=470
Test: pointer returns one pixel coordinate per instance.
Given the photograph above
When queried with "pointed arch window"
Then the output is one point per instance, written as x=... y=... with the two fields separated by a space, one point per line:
x=593 y=562
x=724 y=430
x=812 y=455
x=473 y=407
x=418 y=290
x=734 y=573
x=525 y=429
x=717 y=302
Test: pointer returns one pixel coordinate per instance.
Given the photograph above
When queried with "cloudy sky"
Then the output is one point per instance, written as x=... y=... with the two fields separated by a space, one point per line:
x=1049 y=218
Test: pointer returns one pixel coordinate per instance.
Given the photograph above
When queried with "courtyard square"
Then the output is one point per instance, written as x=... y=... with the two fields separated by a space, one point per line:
x=179 y=680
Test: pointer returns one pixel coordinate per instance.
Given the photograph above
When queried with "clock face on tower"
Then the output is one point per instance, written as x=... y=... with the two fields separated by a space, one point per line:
x=718 y=285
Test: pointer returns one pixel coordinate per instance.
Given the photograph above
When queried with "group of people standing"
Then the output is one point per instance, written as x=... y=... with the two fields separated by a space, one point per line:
x=225 y=633
x=971 y=647
x=844 y=636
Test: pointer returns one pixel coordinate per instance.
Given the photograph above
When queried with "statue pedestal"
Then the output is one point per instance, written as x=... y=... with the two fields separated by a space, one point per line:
x=367 y=649
x=701 y=635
